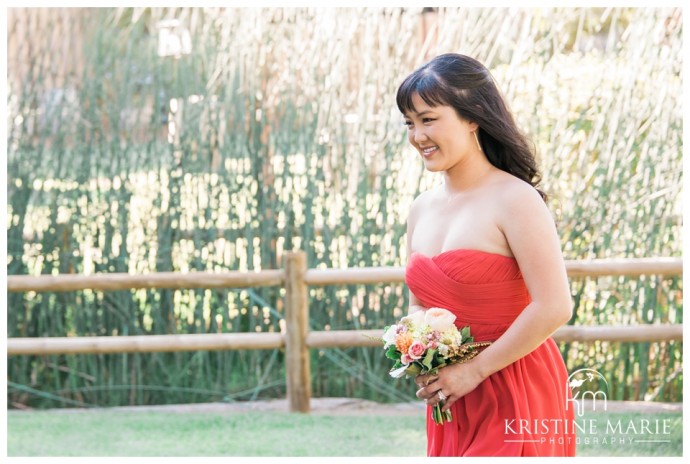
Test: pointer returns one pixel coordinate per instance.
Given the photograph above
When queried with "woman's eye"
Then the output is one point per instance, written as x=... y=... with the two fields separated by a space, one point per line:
x=407 y=123
x=427 y=120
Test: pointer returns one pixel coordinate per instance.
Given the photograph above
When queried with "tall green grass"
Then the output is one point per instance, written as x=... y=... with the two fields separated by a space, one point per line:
x=280 y=131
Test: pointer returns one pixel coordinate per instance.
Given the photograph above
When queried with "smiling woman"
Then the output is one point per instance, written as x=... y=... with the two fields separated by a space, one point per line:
x=484 y=246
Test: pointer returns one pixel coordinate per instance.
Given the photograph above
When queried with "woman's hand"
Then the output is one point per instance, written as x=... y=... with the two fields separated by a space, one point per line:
x=455 y=381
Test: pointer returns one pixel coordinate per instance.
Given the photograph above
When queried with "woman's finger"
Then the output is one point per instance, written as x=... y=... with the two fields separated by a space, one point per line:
x=432 y=400
x=424 y=380
x=433 y=388
x=427 y=395
x=448 y=403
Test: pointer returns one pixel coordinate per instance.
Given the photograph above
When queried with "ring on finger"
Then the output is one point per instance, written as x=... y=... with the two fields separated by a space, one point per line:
x=441 y=396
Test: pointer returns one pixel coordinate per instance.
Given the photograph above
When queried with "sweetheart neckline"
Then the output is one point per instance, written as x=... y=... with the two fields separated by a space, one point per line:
x=464 y=249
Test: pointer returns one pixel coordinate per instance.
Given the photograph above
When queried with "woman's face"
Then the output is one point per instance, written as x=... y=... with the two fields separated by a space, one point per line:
x=442 y=138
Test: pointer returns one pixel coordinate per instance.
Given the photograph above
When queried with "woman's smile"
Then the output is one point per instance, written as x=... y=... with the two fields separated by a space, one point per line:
x=429 y=151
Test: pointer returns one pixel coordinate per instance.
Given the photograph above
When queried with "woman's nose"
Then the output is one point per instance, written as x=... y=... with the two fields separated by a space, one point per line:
x=419 y=136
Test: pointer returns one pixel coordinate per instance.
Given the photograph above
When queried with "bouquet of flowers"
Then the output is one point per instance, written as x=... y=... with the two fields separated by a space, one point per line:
x=425 y=341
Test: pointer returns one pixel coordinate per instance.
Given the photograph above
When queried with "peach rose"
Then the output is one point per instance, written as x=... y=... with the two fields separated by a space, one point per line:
x=439 y=319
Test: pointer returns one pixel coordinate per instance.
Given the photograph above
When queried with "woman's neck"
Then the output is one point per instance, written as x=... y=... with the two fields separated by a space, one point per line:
x=467 y=175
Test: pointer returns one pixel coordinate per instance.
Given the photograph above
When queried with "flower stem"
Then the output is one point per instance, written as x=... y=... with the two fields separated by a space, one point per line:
x=441 y=417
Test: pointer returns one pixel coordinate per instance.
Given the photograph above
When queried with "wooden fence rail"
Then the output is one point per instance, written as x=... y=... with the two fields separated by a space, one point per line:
x=312 y=277
x=314 y=339
x=296 y=339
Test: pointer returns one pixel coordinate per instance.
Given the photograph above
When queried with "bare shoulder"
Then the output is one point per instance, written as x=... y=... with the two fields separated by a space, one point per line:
x=515 y=193
x=418 y=205
x=424 y=196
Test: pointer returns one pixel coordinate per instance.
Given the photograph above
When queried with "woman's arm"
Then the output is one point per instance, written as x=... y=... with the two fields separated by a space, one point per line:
x=415 y=304
x=531 y=234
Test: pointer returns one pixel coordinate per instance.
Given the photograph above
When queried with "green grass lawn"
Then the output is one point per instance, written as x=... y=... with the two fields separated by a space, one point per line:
x=102 y=433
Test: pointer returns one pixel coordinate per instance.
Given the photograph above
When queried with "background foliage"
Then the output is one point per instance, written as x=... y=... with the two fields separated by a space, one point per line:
x=150 y=140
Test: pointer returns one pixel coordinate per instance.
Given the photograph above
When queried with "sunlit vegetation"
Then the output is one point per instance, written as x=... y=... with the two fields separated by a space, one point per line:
x=153 y=140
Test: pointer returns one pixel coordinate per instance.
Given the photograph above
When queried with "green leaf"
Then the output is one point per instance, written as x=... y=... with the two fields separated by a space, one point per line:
x=414 y=370
x=438 y=359
x=393 y=353
x=428 y=359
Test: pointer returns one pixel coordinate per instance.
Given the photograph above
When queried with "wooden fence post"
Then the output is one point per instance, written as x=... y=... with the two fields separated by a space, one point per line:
x=297 y=326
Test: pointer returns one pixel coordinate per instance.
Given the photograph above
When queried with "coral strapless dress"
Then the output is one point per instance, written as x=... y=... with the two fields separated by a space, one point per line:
x=519 y=410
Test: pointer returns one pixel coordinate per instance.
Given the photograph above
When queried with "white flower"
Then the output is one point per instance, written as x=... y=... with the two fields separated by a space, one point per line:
x=399 y=372
x=389 y=336
x=415 y=319
x=450 y=336
x=439 y=319
x=443 y=349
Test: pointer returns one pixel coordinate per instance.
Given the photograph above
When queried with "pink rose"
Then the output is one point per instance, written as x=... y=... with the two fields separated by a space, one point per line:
x=416 y=350
x=405 y=359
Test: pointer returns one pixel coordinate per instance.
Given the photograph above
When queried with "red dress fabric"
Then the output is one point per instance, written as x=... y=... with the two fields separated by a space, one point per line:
x=519 y=410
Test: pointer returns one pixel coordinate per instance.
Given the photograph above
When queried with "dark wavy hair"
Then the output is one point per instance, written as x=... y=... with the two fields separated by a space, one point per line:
x=465 y=84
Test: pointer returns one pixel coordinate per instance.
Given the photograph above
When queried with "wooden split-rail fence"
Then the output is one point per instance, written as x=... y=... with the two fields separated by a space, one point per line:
x=296 y=338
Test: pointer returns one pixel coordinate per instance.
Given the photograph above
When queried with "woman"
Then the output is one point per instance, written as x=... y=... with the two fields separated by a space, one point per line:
x=484 y=245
